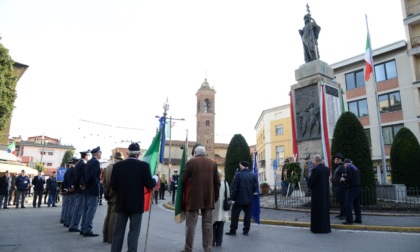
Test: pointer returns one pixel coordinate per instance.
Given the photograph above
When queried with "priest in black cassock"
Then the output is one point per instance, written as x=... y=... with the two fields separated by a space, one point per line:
x=320 y=205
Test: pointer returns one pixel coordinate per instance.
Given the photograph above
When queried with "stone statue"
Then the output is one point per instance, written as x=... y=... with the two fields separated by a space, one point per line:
x=309 y=34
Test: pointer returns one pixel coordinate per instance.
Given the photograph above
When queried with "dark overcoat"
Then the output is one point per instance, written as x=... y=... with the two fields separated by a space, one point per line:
x=320 y=201
x=204 y=183
x=128 y=179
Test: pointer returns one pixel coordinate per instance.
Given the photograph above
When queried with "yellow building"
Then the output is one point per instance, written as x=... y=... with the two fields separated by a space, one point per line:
x=274 y=141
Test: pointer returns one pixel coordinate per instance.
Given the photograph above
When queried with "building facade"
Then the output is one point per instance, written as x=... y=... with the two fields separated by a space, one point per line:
x=206 y=117
x=274 y=142
x=396 y=93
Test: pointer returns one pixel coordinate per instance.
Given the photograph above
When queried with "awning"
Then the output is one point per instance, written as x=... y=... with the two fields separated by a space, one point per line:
x=17 y=168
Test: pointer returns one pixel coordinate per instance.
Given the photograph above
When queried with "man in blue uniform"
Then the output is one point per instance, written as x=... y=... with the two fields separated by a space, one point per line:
x=79 y=186
x=22 y=184
x=92 y=176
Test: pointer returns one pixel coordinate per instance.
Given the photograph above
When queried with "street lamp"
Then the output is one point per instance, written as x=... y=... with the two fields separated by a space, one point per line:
x=165 y=109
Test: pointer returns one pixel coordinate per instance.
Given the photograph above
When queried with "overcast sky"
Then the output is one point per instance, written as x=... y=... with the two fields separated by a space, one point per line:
x=100 y=70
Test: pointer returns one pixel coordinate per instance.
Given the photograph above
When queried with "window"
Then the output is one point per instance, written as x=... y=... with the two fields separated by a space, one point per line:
x=389 y=132
x=359 y=108
x=389 y=102
x=355 y=80
x=50 y=153
x=43 y=153
x=279 y=154
x=385 y=71
x=207 y=123
x=279 y=130
x=367 y=133
x=49 y=164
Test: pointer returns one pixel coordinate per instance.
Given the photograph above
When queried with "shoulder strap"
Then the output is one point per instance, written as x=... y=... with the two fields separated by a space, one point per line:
x=225 y=189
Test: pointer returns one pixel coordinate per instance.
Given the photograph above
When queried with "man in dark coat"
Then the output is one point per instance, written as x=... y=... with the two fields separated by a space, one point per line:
x=12 y=192
x=52 y=189
x=128 y=179
x=92 y=175
x=353 y=182
x=340 y=186
x=38 y=182
x=320 y=205
x=174 y=185
x=79 y=186
x=5 y=185
x=22 y=184
x=244 y=185
x=203 y=191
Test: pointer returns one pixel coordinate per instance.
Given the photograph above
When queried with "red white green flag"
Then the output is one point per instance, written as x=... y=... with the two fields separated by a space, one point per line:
x=368 y=57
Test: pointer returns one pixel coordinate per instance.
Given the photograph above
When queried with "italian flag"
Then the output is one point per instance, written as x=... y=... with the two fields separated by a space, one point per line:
x=368 y=58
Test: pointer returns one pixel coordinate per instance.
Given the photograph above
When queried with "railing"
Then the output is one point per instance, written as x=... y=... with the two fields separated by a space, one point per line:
x=401 y=201
x=415 y=42
x=413 y=9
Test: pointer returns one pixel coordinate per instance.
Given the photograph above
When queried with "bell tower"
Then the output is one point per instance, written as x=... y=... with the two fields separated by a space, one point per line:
x=205 y=117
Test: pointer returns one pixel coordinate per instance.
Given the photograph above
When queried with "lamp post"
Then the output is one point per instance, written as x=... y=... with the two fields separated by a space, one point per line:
x=165 y=109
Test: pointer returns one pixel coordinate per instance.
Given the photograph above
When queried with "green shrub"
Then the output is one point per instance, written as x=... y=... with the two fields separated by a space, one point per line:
x=238 y=150
x=350 y=140
x=405 y=159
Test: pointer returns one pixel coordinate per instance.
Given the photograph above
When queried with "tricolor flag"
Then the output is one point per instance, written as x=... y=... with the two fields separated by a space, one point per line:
x=162 y=122
x=326 y=151
x=255 y=207
x=151 y=157
x=294 y=135
x=11 y=148
x=181 y=196
x=368 y=56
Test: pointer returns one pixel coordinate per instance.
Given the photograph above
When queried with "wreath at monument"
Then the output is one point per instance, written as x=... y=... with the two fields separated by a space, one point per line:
x=294 y=173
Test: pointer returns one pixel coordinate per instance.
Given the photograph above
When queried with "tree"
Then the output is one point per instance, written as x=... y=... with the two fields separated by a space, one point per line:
x=238 y=150
x=350 y=140
x=39 y=165
x=68 y=155
x=7 y=87
x=405 y=159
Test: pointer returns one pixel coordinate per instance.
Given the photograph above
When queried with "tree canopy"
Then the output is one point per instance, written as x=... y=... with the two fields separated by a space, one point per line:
x=7 y=87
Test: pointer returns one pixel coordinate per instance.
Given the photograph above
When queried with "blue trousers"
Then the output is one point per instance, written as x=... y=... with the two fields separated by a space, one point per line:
x=89 y=211
x=69 y=212
x=5 y=199
x=353 y=201
x=52 y=198
x=64 y=208
x=133 y=233
x=79 y=201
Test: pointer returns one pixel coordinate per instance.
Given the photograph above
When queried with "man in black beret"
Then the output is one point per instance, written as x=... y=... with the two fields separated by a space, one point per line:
x=244 y=185
x=340 y=186
x=93 y=173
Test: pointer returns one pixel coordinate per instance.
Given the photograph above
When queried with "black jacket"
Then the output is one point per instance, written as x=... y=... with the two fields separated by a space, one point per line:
x=128 y=179
x=4 y=184
x=38 y=182
x=244 y=185
x=352 y=176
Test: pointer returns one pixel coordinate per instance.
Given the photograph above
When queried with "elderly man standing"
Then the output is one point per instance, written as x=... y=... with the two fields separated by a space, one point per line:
x=22 y=184
x=320 y=199
x=203 y=191
x=128 y=179
x=110 y=196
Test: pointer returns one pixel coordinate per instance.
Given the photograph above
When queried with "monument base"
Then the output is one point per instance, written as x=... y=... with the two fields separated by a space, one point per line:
x=394 y=192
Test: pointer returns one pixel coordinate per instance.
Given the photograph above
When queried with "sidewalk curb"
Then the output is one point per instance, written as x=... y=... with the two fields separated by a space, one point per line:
x=334 y=226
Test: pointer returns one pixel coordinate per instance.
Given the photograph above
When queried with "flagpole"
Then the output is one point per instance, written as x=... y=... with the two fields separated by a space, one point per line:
x=384 y=176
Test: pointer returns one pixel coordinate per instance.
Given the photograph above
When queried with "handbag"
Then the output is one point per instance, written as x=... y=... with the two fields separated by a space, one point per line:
x=227 y=203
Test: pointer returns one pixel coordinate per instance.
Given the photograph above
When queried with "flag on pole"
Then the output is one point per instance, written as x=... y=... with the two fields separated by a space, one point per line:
x=151 y=157
x=368 y=55
x=255 y=207
x=181 y=196
x=294 y=136
x=162 y=122
x=11 y=148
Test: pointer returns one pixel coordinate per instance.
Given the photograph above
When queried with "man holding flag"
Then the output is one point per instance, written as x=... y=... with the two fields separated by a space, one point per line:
x=128 y=179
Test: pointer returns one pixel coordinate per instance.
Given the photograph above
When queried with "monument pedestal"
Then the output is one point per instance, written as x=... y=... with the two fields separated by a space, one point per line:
x=306 y=104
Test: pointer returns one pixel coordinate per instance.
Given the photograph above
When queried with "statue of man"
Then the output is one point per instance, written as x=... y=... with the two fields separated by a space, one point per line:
x=309 y=34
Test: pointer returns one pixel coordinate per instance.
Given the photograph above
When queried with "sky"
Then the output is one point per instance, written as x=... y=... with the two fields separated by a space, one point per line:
x=100 y=70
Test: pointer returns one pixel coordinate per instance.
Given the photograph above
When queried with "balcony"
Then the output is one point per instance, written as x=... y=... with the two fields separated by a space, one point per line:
x=413 y=12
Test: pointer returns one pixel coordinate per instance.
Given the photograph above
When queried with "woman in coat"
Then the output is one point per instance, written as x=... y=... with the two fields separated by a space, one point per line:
x=220 y=216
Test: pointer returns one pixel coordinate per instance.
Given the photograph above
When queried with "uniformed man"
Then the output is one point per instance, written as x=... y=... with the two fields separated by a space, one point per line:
x=92 y=176
x=79 y=186
x=174 y=185
x=70 y=192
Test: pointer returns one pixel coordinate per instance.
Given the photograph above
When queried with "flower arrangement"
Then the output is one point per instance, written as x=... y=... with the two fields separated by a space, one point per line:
x=294 y=173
